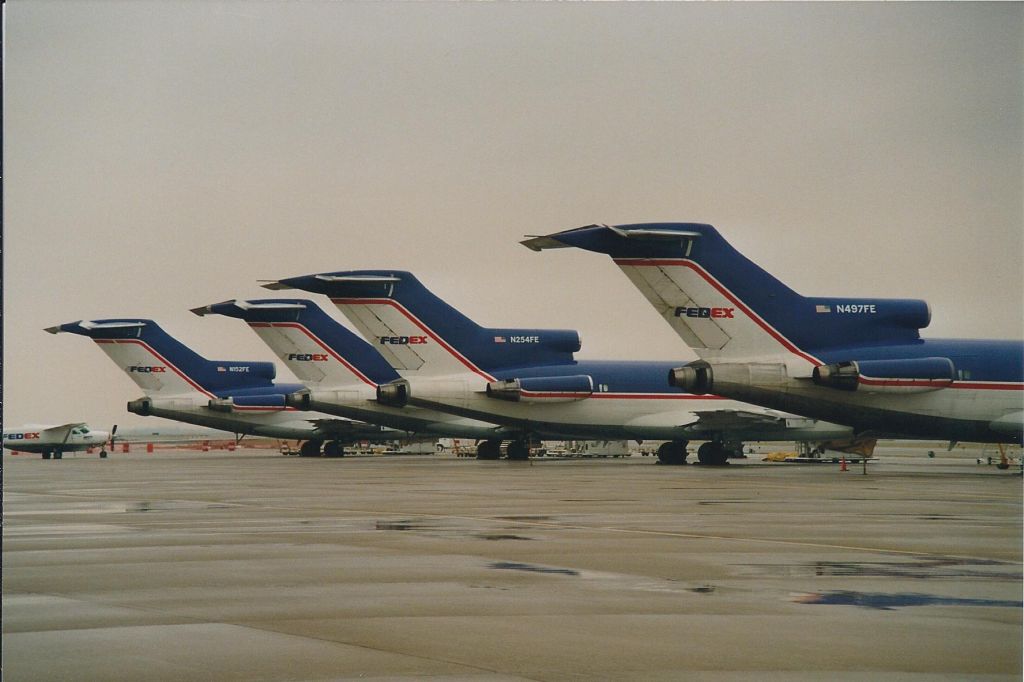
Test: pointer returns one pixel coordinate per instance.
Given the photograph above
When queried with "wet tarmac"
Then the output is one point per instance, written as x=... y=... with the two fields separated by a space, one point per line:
x=253 y=566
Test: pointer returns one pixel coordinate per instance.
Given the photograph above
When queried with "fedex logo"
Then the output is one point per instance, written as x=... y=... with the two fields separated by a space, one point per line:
x=308 y=357
x=402 y=340
x=23 y=436
x=704 y=312
x=146 y=370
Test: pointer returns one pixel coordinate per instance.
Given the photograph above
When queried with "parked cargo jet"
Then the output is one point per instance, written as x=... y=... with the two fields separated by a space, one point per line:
x=232 y=395
x=854 y=361
x=340 y=371
x=529 y=380
x=55 y=440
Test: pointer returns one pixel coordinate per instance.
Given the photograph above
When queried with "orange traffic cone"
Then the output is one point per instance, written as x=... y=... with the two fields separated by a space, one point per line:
x=842 y=464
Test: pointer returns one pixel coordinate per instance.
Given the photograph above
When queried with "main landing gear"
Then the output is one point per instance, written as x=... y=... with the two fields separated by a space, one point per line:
x=311 y=448
x=488 y=449
x=516 y=450
x=672 y=452
x=333 y=449
x=713 y=453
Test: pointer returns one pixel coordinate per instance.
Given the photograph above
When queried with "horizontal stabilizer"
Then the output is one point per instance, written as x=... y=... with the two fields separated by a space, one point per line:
x=317 y=349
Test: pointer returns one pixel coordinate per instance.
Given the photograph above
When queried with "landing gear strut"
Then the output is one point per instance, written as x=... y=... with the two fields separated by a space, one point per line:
x=672 y=452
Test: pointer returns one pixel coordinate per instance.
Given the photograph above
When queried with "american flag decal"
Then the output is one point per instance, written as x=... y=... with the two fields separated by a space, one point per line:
x=221 y=369
x=499 y=339
x=822 y=309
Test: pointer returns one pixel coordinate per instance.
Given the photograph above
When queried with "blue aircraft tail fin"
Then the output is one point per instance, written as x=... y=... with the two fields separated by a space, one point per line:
x=161 y=365
x=724 y=305
x=417 y=332
x=317 y=349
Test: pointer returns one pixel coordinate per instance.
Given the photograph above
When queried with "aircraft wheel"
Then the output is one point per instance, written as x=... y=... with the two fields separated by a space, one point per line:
x=311 y=448
x=673 y=452
x=58 y=454
x=518 y=450
x=333 y=449
x=103 y=454
x=46 y=454
x=712 y=453
x=489 y=449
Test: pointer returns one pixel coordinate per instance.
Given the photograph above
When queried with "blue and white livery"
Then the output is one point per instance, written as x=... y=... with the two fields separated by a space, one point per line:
x=232 y=395
x=529 y=379
x=855 y=361
x=340 y=371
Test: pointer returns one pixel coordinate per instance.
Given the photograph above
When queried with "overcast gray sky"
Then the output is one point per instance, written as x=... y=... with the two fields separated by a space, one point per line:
x=165 y=155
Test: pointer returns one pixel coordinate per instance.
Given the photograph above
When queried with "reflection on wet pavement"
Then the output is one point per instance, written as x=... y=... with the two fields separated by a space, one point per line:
x=888 y=602
x=516 y=566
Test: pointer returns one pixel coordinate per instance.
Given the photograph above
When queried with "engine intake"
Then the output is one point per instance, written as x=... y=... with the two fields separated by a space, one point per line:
x=299 y=400
x=140 y=407
x=393 y=394
x=696 y=377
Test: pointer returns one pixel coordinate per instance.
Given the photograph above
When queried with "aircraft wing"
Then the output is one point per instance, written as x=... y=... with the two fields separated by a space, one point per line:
x=1009 y=423
x=58 y=434
x=737 y=420
x=346 y=429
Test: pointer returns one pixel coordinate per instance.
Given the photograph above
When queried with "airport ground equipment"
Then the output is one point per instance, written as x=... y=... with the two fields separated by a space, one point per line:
x=854 y=361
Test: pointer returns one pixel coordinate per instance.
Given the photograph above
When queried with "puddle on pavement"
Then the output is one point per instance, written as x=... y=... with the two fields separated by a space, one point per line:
x=937 y=568
x=888 y=602
x=498 y=536
x=403 y=525
x=703 y=589
x=171 y=505
x=516 y=566
x=524 y=518
x=440 y=529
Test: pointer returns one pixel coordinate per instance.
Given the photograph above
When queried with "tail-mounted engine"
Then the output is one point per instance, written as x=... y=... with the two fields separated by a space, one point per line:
x=144 y=407
x=915 y=375
x=543 y=389
x=394 y=393
x=250 y=403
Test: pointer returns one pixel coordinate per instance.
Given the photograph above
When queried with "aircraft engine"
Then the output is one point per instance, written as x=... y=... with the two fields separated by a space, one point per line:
x=263 y=403
x=915 y=375
x=394 y=393
x=696 y=377
x=148 y=406
x=543 y=389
